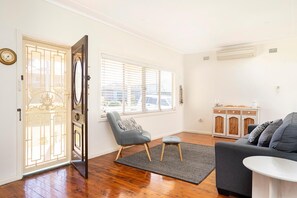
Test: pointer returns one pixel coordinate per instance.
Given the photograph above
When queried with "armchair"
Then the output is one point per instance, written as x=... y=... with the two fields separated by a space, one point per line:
x=127 y=138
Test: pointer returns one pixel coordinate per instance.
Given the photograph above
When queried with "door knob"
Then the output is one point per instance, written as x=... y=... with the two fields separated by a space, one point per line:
x=76 y=117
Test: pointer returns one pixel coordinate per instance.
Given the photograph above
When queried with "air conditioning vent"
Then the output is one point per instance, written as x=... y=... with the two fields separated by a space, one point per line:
x=236 y=53
x=273 y=50
x=205 y=58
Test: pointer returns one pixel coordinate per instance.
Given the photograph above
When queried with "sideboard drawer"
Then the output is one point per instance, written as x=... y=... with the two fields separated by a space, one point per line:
x=217 y=111
x=234 y=112
x=249 y=113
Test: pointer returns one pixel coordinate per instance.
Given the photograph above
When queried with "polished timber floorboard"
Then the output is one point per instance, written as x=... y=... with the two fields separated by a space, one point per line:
x=109 y=179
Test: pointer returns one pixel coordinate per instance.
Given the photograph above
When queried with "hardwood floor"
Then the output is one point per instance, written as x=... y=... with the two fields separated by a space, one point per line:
x=109 y=179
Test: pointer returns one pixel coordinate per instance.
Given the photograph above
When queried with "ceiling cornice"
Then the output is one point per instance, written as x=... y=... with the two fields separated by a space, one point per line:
x=98 y=18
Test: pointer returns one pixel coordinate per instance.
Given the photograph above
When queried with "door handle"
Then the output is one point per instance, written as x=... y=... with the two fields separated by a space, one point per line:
x=20 y=113
x=76 y=117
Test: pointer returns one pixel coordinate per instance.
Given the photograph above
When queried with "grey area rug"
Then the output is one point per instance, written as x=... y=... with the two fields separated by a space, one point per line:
x=198 y=162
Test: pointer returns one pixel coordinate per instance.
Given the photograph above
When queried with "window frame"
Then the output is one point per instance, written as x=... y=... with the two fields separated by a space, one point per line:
x=144 y=66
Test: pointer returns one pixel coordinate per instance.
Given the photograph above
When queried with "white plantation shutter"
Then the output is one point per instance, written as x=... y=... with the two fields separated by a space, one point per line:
x=166 y=90
x=133 y=88
x=151 y=89
x=129 y=87
x=112 y=88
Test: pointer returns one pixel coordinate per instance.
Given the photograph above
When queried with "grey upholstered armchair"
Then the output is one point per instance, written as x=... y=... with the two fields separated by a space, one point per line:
x=127 y=138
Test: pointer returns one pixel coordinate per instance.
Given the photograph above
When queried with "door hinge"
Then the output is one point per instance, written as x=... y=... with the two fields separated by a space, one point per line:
x=20 y=113
x=22 y=77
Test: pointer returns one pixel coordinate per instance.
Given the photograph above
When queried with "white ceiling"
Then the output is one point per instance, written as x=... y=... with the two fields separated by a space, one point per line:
x=191 y=26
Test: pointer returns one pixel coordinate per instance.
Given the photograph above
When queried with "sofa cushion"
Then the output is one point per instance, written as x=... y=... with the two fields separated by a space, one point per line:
x=255 y=134
x=291 y=118
x=244 y=141
x=266 y=135
x=285 y=137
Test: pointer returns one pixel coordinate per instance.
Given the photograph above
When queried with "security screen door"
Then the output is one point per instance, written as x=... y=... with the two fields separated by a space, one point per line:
x=46 y=98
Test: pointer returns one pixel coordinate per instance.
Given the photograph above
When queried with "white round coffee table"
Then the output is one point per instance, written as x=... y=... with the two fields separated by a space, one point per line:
x=272 y=177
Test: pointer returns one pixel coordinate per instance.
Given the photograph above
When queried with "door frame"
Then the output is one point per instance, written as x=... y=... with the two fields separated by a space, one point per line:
x=19 y=95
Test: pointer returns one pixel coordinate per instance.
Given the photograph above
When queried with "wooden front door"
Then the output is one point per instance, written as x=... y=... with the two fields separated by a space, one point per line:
x=79 y=106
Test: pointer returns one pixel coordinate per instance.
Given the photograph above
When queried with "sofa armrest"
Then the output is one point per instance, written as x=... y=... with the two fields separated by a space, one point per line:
x=231 y=174
x=251 y=127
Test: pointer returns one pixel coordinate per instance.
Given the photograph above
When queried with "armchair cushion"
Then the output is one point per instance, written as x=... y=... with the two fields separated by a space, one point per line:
x=122 y=125
x=129 y=124
x=134 y=137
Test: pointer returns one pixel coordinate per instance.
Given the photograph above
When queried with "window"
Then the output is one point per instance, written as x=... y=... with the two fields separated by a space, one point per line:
x=166 y=90
x=131 y=88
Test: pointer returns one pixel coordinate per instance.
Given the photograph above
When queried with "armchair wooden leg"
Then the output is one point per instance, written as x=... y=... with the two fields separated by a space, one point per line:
x=163 y=148
x=147 y=151
x=119 y=153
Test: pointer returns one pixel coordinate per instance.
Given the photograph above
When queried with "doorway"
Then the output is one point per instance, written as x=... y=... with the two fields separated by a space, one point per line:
x=46 y=109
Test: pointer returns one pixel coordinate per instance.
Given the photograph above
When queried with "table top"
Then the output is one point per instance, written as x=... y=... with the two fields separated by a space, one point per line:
x=274 y=167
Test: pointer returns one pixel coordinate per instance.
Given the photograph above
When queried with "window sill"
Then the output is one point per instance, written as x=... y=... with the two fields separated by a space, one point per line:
x=140 y=115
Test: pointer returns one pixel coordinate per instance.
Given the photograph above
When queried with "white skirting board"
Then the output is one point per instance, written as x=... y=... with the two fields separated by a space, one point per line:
x=9 y=180
x=198 y=132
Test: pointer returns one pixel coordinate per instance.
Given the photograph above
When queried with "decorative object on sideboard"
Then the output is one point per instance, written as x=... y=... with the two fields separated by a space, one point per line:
x=217 y=103
x=7 y=56
x=254 y=104
x=181 y=99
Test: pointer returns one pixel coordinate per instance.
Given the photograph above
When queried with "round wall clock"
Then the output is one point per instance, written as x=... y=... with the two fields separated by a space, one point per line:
x=7 y=56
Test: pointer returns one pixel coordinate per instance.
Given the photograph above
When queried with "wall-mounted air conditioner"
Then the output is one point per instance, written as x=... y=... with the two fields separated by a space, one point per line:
x=236 y=53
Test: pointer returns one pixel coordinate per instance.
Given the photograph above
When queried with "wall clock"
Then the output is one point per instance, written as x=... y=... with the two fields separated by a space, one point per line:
x=7 y=56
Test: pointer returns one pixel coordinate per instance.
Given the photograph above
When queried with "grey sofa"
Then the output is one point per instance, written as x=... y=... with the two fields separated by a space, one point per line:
x=231 y=175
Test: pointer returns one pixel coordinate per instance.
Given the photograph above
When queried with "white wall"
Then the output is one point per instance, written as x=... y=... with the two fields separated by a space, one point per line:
x=240 y=82
x=8 y=106
x=42 y=20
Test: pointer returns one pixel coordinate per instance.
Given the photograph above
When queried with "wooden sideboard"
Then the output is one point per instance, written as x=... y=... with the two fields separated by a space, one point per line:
x=233 y=122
